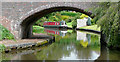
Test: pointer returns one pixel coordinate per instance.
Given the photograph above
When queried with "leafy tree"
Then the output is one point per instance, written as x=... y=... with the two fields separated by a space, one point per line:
x=108 y=19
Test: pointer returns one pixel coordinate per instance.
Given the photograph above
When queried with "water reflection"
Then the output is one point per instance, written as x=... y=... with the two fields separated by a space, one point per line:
x=84 y=38
x=56 y=31
x=70 y=45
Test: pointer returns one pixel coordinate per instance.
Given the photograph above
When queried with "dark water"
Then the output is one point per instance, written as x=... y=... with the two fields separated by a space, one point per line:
x=68 y=45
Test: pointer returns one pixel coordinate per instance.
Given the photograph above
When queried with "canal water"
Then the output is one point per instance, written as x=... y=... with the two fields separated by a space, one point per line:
x=68 y=45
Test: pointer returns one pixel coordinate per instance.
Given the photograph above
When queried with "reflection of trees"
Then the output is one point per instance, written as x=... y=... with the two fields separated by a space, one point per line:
x=107 y=54
x=94 y=45
x=69 y=37
x=55 y=51
x=62 y=47
x=86 y=53
x=83 y=53
x=88 y=38
x=28 y=57
x=95 y=41
x=84 y=43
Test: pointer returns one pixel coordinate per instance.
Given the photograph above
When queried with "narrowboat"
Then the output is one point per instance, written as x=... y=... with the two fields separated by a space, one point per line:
x=61 y=24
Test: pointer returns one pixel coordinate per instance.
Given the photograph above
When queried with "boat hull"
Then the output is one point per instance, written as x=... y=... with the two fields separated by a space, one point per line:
x=54 y=26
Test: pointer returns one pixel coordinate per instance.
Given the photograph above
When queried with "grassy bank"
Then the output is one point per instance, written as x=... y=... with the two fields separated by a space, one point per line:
x=92 y=27
x=39 y=29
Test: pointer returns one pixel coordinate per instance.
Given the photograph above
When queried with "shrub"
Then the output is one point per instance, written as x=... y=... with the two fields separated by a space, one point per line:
x=83 y=16
x=74 y=24
x=5 y=34
x=64 y=17
x=2 y=47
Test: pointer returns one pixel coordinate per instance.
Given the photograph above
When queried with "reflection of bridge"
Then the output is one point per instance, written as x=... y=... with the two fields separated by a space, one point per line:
x=18 y=17
x=56 y=31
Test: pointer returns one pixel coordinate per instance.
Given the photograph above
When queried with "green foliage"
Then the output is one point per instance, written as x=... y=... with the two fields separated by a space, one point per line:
x=95 y=40
x=2 y=47
x=74 y=24
x=93 y=27
x=68 y=13
x=64 y=17
x=67 y=16
x=83 y=16
x=89 y=21
x=108 y=18
x=5 y=34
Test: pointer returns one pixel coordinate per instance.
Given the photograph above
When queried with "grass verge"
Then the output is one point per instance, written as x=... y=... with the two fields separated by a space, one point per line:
x=92 y=27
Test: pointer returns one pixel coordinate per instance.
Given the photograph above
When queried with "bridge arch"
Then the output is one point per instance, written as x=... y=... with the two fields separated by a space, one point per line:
x=31 y=17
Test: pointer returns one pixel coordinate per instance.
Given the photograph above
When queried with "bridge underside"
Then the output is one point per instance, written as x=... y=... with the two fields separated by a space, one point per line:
x=28 y=22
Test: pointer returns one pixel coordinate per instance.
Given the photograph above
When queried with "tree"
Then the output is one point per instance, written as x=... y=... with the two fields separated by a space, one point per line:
x=108 y=19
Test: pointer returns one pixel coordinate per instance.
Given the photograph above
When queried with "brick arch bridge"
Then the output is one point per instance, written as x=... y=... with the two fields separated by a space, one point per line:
x=18 y=17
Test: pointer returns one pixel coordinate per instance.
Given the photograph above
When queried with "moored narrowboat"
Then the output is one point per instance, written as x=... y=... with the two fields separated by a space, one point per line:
x=61 y=24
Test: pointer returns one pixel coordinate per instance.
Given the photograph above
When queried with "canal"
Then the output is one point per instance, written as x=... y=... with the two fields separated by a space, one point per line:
x=68 y=45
